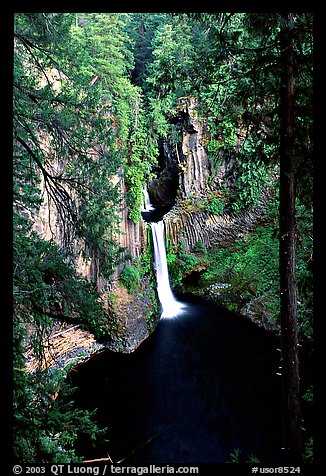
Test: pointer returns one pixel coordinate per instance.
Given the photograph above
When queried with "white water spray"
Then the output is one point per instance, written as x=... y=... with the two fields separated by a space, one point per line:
x=148 y=207
x=171 y=307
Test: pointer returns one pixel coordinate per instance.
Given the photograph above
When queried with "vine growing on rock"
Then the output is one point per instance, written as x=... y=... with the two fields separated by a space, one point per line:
x=142 y=157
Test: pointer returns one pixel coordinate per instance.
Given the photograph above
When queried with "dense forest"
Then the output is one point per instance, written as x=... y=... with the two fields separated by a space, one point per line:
x=97 y=99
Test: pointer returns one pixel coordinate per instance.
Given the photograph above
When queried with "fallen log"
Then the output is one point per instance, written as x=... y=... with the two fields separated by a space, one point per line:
x=97 y=460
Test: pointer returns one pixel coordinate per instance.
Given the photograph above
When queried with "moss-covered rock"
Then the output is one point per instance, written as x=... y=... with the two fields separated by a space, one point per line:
x=133 y=315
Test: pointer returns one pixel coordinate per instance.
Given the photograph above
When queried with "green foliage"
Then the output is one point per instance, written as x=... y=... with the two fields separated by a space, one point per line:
x=200 y=247
x=304 y=269
x=230 y=62
x=142 y=156
x=215 y=204
x=252 y=177
x=46 y=427
x=175 y=271
x=250 y=268
x=147 y=269
x=45 y=285
x=140 y=28
x=308 y=453
x=135 y=147
x=308 y=395
x=180 y=263
x=146 y=258
x=59 y=122
x=186 y=260
x=308 y=443
x=235 y=456
x=130 y=277
x=172 y=53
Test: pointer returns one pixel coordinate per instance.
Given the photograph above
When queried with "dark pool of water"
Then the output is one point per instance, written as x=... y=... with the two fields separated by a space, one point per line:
x=201 y=386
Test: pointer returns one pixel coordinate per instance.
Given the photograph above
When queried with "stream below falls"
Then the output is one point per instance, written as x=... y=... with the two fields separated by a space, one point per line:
x=202 y=385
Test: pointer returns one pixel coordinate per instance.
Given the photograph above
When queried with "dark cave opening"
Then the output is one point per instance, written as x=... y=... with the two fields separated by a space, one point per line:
x=163 y=189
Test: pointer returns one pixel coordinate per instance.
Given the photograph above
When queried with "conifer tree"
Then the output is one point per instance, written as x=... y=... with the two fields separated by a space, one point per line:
x=74 y=114
x=288 y=298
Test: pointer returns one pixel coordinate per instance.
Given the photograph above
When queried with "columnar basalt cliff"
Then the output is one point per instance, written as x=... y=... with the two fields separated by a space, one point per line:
x=192 y=159
x=164 y=187
x=196 y=180
x=185 y=168
x=210 y=229
x=131 y=236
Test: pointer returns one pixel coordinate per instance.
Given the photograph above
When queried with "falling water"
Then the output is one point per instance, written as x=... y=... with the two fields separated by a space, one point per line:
x=148 y=207
x=171 y=307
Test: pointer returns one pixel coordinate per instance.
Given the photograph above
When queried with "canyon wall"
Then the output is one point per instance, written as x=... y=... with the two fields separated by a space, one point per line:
x=192 y=159
x=212 y=230
x=131 y=316
x=199 y=178
x=131 y=236
x=185 y=166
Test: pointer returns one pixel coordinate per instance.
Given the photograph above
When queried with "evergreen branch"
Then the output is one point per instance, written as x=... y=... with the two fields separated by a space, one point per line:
x=26 y=43
x=59 y=177
x=61 y=198
x=31 y=153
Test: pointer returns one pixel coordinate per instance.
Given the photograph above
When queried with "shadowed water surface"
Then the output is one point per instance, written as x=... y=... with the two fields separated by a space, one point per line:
x=202 y=385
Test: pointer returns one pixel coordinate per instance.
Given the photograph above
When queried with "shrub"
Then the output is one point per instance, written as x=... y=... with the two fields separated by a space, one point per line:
x=130 y=277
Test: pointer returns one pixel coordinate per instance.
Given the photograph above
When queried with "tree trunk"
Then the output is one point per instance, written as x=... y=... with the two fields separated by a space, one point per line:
x=288 y=299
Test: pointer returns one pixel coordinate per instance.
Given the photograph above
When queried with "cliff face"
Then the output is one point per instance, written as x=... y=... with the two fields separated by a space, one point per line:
x=131 y=236
x=163 y=189
x=185 y=168
x=210 y=229
x=130 y=324
x=193 y=164
x=196 y=180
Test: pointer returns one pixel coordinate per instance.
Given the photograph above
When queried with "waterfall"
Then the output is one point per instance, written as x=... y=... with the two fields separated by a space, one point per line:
x=147 y=204
x=170 y=306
